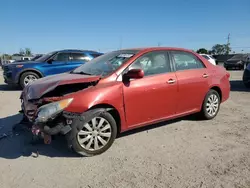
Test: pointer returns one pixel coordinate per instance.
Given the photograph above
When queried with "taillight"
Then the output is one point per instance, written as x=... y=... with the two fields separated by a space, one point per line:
x=228 y=75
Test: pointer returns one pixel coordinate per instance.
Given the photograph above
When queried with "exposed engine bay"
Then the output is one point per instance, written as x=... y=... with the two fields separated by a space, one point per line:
x=45 y=114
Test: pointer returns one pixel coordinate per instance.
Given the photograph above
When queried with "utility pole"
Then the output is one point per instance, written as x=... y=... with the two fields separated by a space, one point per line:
x=228 y=43
x=228 y=39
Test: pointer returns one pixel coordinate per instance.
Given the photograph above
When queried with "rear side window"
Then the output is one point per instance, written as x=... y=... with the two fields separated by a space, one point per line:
x=79 y=57
x=186 y=61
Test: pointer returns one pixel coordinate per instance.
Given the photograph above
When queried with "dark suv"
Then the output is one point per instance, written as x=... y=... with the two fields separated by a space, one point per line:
x=239 y=61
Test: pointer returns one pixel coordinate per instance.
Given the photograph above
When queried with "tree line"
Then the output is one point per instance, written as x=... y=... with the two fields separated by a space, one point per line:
x=22 y=52
x=217 y=49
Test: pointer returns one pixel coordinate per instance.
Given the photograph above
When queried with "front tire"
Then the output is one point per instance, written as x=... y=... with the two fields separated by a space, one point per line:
x=27 y=78
x=211 y=105
x=93 y=137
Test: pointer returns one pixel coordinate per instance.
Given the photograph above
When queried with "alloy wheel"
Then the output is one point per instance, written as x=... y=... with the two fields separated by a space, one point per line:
x=95 y=134
x=28 y=79
x=212 y=105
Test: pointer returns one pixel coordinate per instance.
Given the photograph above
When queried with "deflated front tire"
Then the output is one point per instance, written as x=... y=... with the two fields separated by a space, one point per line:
x=93 y=133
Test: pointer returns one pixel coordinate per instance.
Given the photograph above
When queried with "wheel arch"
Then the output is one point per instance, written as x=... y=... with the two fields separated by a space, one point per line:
x=28 y=70
x=113 y=111
x=218 y=89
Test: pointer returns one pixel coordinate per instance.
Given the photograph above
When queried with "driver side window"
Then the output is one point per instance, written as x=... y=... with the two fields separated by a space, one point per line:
x=62 y=57
x=152 y=63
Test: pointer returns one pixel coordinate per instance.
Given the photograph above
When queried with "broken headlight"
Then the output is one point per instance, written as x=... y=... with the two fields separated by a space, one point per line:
x=52 y=109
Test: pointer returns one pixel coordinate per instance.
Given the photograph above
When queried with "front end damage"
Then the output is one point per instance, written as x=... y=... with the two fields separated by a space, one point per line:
x=46 y=116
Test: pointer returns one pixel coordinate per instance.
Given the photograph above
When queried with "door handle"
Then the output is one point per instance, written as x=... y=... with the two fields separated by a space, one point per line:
x=205 y=75
x=171 y=81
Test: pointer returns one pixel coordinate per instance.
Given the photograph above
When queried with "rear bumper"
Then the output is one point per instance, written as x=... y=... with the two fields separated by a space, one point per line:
x=225 y=93
x=225 y=89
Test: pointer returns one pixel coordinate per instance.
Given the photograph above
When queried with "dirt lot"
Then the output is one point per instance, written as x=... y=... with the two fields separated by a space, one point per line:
x=182 y=153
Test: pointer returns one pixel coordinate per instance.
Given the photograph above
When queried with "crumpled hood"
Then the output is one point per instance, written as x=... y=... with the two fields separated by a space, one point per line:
x=44 y=85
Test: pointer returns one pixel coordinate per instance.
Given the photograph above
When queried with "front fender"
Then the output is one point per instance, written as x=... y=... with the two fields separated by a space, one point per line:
x=109 y=94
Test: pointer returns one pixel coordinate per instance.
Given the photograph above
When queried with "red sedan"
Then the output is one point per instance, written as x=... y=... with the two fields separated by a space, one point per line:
x=123 y=90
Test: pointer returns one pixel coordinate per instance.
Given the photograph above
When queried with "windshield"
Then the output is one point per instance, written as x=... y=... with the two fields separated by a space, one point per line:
x=36 y=57
x=105 y=64
x=45 y=57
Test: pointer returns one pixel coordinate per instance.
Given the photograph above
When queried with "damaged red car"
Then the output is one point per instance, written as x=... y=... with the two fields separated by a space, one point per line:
x=123 y=90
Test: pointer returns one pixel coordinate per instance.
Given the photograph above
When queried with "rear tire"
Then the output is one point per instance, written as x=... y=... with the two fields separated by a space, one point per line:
x=84 y=136
x=25 y=77
x=211 y=105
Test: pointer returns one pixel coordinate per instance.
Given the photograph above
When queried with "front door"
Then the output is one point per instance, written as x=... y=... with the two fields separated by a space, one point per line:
x=153 y=97
x=58 y=65
x=193 y=81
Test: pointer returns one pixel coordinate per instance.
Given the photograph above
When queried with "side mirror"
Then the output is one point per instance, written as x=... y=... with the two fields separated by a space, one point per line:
x=134 y=74
x=50 y=61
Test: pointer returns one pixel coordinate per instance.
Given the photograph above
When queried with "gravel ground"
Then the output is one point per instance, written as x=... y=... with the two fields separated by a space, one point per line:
x=181 y=153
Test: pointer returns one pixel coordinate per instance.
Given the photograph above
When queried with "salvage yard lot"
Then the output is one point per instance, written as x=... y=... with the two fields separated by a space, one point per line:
x=181 y=153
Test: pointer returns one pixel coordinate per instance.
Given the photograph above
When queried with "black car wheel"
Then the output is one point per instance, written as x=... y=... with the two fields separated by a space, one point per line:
x=93 y=136
x=27 y=77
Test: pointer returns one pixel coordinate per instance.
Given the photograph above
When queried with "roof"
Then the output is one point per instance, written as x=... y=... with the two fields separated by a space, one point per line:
x=77 y=50
x=158 y=48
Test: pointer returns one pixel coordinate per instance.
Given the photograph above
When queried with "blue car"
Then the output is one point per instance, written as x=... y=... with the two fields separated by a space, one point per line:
x=22 y=73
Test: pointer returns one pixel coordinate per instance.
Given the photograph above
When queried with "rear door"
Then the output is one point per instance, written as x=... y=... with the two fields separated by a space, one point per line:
x=58 y=65
x=193 y=81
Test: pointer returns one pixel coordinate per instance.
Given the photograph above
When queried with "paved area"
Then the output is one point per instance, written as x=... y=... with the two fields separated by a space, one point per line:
x=181 y=153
